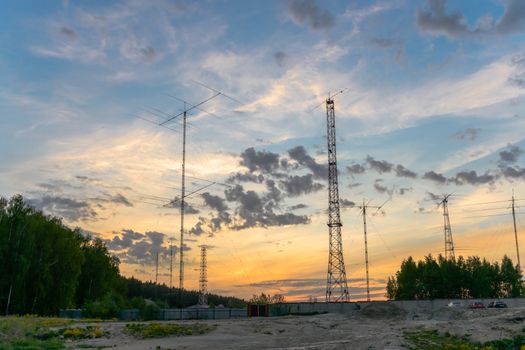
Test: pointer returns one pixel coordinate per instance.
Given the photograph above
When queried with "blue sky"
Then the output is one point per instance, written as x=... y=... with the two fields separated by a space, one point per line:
x=433 y=104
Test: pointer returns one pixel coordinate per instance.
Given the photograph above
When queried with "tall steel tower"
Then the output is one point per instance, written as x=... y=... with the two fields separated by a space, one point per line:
x=203 y=280
x=336 y=285
x=449 y=244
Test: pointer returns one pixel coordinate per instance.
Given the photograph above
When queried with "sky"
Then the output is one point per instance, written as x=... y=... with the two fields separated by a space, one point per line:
x=432 y=103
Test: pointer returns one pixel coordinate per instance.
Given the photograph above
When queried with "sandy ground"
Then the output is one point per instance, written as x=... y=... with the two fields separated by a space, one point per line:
x=375 y=328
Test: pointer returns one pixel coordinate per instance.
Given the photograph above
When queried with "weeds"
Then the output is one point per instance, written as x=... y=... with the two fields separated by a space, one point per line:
x=433 y=340
x=156 y=330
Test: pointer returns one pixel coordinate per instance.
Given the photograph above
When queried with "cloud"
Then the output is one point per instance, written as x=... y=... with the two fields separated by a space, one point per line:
x=401 y=171
x=265 y=162
x=141 y=248
x=403 y=190
x=300 y=155
x=511 y=155
x=346 y=203
x=435 y=20
x=298 y=185
x=384 y=42
x=380 y=166
x=119 y=199
x=467 y=134
x=306 y=12
x=513 y=172
x=246 y=177
x=68 y=208
x=379 y=187
x=298 y=206
x=68 y=33
x=433 y=197
x=355 y=169
x=518 y=78
x=280 y=58
x=433 y=176
x=188 y=208
x=472 y=178
x=214 y=202
x=513 y=19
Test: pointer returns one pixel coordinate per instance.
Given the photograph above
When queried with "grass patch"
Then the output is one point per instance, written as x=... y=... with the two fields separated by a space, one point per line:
x=158 y=330
x=32 y=344
x=433 y=340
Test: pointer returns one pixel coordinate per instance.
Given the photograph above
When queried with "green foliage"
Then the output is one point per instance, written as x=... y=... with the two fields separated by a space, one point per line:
x=156 y=330
x=32 y=344
x=150 y=311
x=105 y=308
x=88 y=332
x=433 y=340
x=267 y=299
x=442 y=278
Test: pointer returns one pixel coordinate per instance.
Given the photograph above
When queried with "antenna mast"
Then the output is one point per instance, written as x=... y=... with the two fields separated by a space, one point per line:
x=182 y=197
x=336 y=284
x=203 y=280
x=449 y=244
x=366 y=253
x=515 y=232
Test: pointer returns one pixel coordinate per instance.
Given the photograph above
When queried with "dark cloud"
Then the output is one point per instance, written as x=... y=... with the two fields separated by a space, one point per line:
x=355 y=169
x=300 y=155
x=357 y=184
x=467 y=134
x=381 y=166
x=120 y=199
x=511 y=155
x=435 y=20
x=147 y=53
x=67 y=208
x=141 y=248
x=403 y=190
x=298 y=185
x=188 y=208
x=298 y=206
x=280 y=58
x=401 y=171
x=265 y=162
x=433 y=197
x=346 y=203
x=68 y=33
x=513 y=19
x=246 y=177
x=214 y=202
x=436 y=177
x=306 y=12
x=472 y=178
x=379 y=187
x=513 y=172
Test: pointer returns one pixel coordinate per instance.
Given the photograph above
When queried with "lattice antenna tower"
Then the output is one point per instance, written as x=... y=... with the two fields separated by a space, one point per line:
x=336 y=283
x=203 y=279
x=449 y=243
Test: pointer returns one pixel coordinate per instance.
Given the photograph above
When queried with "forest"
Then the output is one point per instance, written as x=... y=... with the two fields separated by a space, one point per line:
x=47 y=266
x=440 y=278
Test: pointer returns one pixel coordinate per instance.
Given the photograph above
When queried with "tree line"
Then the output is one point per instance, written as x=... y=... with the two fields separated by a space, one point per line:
x=440 y=278
x=47 y=266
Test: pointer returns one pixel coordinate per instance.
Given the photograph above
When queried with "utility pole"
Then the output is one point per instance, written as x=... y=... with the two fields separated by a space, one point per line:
x=182 y=197
x=203 y=280
x=336 y=284
x=449 y=244
x=515 y=231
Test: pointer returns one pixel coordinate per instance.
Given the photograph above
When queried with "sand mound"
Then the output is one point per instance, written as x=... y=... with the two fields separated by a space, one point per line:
x=382 y=310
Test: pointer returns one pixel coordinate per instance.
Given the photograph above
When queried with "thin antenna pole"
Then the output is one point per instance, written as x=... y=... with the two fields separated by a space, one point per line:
x=157 y=268
x=366 y=253
x=183 y=194
x=515 y=232
x=171 y=263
